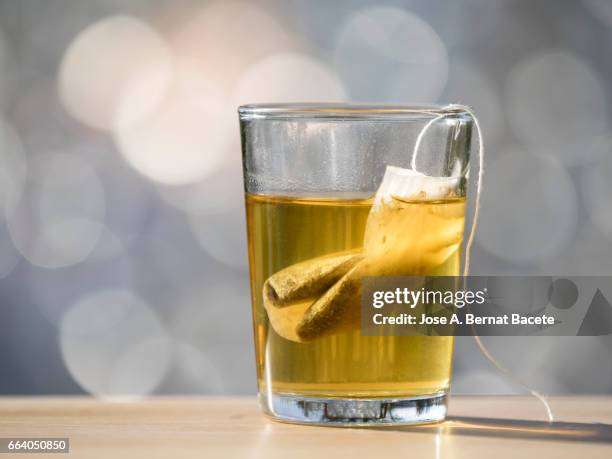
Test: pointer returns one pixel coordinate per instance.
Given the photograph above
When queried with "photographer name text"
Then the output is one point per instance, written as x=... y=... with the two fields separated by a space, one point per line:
x=467 y=319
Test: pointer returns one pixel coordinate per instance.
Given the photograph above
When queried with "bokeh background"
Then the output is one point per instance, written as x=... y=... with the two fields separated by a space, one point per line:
x=122 y=241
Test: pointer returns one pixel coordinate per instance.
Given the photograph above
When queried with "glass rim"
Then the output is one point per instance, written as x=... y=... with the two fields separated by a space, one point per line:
x=348 y=111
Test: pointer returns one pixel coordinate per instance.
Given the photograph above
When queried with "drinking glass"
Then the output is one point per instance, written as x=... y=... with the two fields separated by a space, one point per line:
x=316 y=225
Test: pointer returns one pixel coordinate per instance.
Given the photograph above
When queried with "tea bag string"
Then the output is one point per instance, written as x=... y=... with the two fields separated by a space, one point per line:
x=470 y=241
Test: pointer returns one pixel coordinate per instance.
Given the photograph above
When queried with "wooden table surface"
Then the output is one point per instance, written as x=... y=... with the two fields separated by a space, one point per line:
x=478 y=427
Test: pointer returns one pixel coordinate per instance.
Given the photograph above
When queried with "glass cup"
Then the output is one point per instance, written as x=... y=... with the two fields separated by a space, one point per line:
x=335 y=193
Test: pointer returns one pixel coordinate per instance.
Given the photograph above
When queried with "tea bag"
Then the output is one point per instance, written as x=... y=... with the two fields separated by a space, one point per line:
x=404 y=183
x=285 y=320
x=402 y=237
x=288 y=293
x=404 y=234
x=308 y=279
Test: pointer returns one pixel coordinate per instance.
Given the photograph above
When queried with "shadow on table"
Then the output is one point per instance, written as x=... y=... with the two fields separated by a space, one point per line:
x=523 y=429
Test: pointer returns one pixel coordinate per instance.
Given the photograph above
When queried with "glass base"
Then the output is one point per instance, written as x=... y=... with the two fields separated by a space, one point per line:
x=354 y=412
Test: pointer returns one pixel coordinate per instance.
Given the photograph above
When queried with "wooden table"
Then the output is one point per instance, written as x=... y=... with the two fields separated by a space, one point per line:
x=478 y=427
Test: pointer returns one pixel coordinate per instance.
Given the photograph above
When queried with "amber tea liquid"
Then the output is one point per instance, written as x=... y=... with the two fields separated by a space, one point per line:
x=283 y=231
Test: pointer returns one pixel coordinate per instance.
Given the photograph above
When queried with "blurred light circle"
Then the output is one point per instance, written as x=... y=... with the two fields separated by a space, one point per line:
x=387 y=54
x=600 y=9
x=59 y=217
x=114 y=345
x=104 y=61
x=223 y=31
x=139 y=368
x=222 y=236
x=287 y=77
x=184 y=139
x=63 y=242
x=469 y=85
x=54 y=290
x=596 y=186
x=528 y=209
x=196 y=371
x=556 y=104
x=219 y=192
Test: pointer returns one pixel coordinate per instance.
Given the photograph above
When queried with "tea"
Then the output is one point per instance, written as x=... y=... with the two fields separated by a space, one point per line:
x=307 y=255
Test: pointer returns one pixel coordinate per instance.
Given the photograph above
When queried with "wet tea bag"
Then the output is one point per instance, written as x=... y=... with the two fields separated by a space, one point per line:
x=308 y=279
x=407 y=234
x=409 y=184
x=404 y=236
x=408 y=231
x=288 y=293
